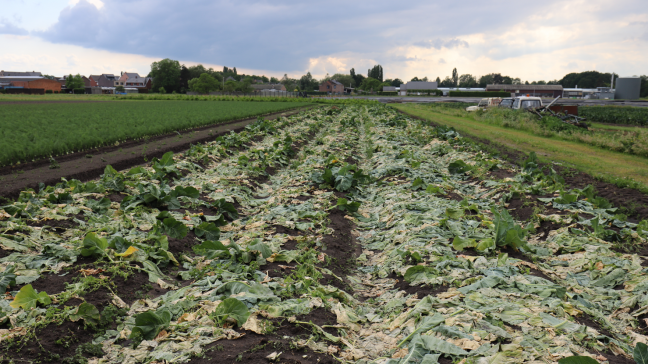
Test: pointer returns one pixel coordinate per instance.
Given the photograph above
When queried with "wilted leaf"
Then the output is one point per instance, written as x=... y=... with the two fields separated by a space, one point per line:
x=87 y=312
x=233 y=311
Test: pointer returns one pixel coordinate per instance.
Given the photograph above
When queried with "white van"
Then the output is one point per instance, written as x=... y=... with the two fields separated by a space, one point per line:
x=526 y=102
x=484 y=103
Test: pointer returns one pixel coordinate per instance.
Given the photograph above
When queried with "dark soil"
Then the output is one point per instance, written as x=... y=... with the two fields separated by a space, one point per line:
x=57 y=341
x=116 y=197
x=284 y=230
x=59 y=225
x=178 y=246
x=546 y=227
x=454 y=196
x=501 y=174
x=254 y=348
x=342 y=248
x=518 y=209
x=421 y=291
x=123 y=156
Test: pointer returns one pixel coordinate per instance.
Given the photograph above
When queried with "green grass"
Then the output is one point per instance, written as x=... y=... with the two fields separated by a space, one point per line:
x=615 y=127
x=31 y=131
x=622 y=169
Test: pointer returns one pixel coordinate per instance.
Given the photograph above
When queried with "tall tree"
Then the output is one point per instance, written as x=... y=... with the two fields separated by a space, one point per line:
x=234 y=70
x=467 y=80
x=588 y=79
x=274 y=80
x=438 y=81
x=357 y=77
x=204 y=84
x=455 y=77
x=74 y=82
x=308 y=83
x=225 y=69
x=396 y=82
x=166 y=73
x=370 y=84
x=376 y=72
x=185 y=76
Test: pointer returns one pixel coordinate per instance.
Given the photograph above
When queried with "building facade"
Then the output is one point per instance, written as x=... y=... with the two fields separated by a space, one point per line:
x=551 y=91
x=331 y=86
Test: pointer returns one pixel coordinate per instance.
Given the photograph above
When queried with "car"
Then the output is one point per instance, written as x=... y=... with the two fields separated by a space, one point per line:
x=526 y=102
x=485 y=103
x=506 y=103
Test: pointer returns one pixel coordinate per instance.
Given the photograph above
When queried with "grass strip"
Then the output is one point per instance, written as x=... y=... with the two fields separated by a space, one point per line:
x=610 y=166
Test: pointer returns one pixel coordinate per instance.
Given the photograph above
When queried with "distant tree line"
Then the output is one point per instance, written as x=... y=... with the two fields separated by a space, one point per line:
x=171 y=76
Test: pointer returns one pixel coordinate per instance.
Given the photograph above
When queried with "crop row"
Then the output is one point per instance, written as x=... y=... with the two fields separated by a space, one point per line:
x=36 y=131
x=399 y=230
x=627 y=115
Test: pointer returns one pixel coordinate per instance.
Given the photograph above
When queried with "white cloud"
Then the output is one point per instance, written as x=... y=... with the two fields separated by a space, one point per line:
x=98 y=3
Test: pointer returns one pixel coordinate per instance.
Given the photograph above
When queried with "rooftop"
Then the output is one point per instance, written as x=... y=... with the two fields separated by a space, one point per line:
x=524 y=87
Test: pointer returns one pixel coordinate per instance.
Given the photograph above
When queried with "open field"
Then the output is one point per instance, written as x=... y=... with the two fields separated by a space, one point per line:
x=550 y=146
x=33 y=131
x=351 y=234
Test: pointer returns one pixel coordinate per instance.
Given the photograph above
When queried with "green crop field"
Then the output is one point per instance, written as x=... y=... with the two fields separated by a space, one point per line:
x=615 y=114
x=32 y=131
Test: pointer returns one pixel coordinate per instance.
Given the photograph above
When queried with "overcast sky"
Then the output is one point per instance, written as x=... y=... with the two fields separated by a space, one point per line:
x=530 y=40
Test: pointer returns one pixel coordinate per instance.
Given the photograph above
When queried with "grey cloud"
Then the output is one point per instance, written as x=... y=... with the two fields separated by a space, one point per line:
x=442 y=61
x=279 y=35
x=440 y=43
x=6 y=27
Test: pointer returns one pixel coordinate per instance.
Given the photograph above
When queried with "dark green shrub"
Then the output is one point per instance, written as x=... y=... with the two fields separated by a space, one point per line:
x=79 y=91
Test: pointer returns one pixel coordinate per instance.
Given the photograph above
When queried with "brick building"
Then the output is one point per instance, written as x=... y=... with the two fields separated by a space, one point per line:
x=43 y=83
x=331 y=86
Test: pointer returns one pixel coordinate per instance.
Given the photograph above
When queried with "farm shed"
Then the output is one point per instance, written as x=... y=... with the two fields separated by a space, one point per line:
x=531 y=90
x=417 y=85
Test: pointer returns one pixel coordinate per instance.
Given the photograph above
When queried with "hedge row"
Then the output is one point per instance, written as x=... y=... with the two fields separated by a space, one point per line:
x=480 y=94
x=388 y=93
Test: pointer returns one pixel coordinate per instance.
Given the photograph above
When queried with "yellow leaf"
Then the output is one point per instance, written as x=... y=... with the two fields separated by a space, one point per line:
x=130 y=251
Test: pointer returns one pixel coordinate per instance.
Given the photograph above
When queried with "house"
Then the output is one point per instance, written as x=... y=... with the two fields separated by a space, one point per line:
x=531 y=90
x=268 y=87
x=133 y=80
x=416 y=85
x=105 y=80
x=331 y=86
x=230 y=78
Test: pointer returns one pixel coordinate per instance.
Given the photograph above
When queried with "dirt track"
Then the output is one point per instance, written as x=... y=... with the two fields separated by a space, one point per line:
x=90 y=164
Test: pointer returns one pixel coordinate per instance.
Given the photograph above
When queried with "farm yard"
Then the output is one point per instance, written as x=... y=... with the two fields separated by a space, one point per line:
x=348 y=233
